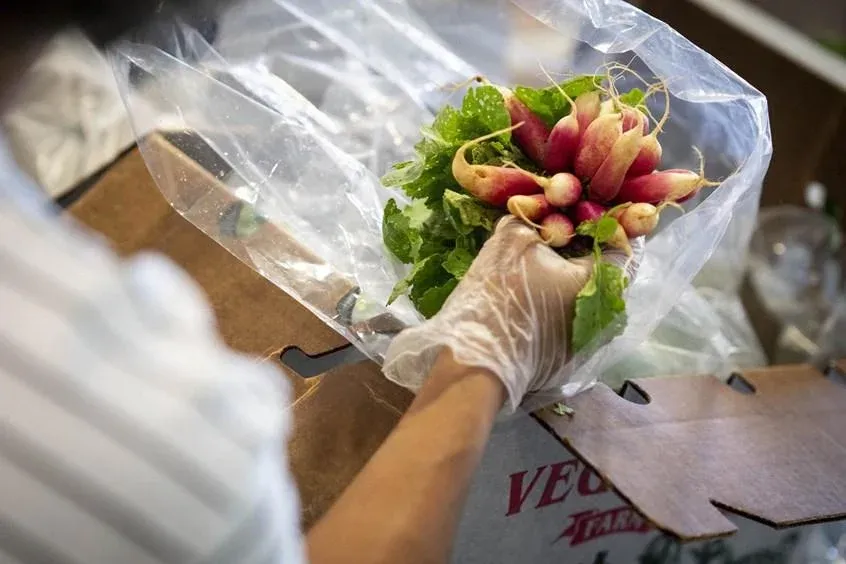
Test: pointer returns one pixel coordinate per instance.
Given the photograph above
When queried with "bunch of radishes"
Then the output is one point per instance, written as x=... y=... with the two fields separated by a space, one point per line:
x=599 y=159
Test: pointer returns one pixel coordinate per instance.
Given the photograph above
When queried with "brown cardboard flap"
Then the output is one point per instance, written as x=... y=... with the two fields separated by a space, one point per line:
x=776 y=455
x=253 y=315
x=338 y=423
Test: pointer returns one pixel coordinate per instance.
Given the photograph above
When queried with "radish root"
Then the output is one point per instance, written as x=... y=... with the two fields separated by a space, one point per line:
x=670 y=204
x=456 y=86
x=705 y=181
x=522 y=217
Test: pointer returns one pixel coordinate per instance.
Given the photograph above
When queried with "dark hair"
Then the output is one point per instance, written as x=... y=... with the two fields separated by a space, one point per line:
x=102 y=20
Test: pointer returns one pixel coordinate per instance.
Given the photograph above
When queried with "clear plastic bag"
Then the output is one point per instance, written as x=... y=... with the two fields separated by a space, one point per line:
x=707 y=332
x=309 y=101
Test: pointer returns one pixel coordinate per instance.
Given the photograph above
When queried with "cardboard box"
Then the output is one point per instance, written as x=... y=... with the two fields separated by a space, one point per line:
x=671 y=455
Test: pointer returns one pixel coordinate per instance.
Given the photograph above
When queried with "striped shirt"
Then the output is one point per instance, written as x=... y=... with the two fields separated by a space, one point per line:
x=128 y=432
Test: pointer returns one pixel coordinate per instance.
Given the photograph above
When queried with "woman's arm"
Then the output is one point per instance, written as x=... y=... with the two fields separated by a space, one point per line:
x=510 y=315
x=405 y=504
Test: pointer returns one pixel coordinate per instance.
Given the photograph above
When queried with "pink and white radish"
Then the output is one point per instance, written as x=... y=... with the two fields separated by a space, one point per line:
x=533 y=134
x=563 y=190
x=494 y=185
x=596 y=144
x=651 y=151
x=563 y=140
x=556 y=230
x=638 y=219
x=620 y=241
x=648 y=157
x=562 y=144
x=664 y=186
x=632 y=117
x=586 y=211
x=609 y=177
x=587 y=109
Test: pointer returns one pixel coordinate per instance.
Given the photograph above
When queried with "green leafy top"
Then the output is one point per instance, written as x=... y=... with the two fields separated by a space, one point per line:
x=634 y=97
x=467 y=213
x=396 y=231
x=482 y=111
x=602 y=230
x=548 y=103
x=600 y=303
x=443 y=229
x=440 y=242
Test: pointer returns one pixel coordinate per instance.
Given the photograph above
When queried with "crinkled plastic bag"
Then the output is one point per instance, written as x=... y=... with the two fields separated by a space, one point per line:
x=309 y=102
x=706 y=332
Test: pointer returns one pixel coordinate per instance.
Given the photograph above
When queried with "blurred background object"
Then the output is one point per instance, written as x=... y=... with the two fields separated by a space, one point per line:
x=796 y=278
x=821 y=20
x=68 y=120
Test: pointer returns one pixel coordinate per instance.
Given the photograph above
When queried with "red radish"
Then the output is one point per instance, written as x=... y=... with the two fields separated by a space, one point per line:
x=493 y=184
x=596 y=144
x=648 y=158
x=586 y=211
x=610 y=176
x=530 y=209
x=532 y=136
x=562 y=144
x=563 y=141
x=659 y=186
x=638 y=219
x=563 y=190
x=664 y=186
x=557 y=230
x=632 y=117
x=587 y=109
x=650 y=149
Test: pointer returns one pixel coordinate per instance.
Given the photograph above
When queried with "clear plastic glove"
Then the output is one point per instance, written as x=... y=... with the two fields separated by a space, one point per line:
x=510 y=314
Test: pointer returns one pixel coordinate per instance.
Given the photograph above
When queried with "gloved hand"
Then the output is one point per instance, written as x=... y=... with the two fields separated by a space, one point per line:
x=511 y=314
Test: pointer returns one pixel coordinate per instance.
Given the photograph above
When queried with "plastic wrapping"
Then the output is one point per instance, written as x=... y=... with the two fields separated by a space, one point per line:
x=707 y=332
x=308 y=102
